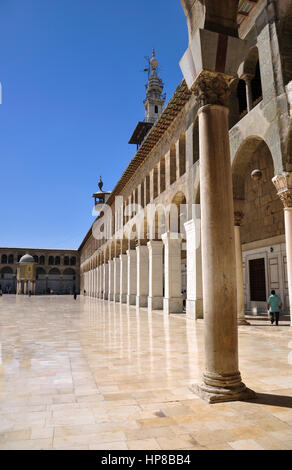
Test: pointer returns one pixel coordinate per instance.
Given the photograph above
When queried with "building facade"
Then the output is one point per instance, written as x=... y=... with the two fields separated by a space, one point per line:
x=56 y=271
x=220 y=153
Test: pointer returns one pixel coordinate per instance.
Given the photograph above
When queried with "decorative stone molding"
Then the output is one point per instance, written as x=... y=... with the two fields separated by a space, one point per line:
x=212 y=88
x=283 y=184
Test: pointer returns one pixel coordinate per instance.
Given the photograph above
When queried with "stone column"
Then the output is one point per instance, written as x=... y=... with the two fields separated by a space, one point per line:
x=172 y=301
x=194 y=303
x=123 y=278
x=111 y=279
x=101 y=281
x=247 y=78
x=105 y=281
x=97 y=281
x=132 y=277
x=18 y=287
x=155 y=298
x=283 y=185
x=117 y=268
x=222 y=379
x=238 y=216
x=142 y=276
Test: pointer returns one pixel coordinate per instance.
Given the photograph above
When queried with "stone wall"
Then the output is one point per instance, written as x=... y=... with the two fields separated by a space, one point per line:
x=263 y=210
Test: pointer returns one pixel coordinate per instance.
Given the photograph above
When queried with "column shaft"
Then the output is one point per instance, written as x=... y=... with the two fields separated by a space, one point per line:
x=222 y=380
x=172 y=302
x=155 y=298
x=132 y=277
x=194 y=302
x=123 y=278
x=142 y=276
x=105 y=281
x=116 y=296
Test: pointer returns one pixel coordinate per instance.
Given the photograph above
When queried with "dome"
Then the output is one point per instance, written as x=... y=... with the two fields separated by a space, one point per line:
x=26 y=259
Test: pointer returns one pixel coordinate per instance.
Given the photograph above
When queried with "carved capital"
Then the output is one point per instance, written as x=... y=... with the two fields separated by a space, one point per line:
x=212 y=88
x=283 y=184
x=238 y=216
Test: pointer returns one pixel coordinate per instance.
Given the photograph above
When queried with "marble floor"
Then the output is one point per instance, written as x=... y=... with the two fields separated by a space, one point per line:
x=89 y=374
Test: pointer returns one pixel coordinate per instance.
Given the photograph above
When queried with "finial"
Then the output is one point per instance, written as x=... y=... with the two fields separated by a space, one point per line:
x=100 y=183
x=153 y=60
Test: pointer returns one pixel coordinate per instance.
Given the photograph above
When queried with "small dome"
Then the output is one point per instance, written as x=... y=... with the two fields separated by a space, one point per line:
x=153 y=61
x=26 y=259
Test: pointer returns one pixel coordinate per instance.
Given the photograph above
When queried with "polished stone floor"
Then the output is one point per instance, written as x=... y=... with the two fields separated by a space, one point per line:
x=88 y=374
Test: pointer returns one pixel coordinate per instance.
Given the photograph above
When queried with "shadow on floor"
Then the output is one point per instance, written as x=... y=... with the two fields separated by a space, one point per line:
x=272 y=400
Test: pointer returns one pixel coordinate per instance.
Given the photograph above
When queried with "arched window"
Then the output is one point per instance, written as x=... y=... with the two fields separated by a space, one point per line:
x=66 y=260
x=57 y=260
x=72 y=261
x=42 y=259
x=241 y=96
x=51 y=260
x=40 y=273
x=4 y=259
x=36 y=258
x=256 y=86
x=10 y=259
x=156 y=109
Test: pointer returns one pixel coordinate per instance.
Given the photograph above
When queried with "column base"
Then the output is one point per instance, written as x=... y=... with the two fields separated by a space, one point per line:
x=131 y=299
x=155 y=303
x=173 y=305
x=141 y=301
x=242 y=321
x=219 y=388
x=194 y=309
x=123 y=298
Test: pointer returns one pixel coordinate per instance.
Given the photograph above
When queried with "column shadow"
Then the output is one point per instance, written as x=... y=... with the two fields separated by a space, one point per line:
x=272 y=400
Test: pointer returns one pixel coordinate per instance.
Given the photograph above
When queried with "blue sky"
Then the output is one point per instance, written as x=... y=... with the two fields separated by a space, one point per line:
x=72 y=92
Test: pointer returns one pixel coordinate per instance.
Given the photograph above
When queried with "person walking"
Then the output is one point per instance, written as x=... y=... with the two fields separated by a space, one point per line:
x=274 y=307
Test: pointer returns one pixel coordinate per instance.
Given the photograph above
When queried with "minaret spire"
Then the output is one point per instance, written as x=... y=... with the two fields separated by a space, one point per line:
x=154 y=101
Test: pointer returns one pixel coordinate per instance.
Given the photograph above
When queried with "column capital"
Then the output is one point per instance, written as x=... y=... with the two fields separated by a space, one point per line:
x=238 y=216
x=238 y=211
x=165 y=237
x=212 y=88
x=247 y=77
x=283 y=184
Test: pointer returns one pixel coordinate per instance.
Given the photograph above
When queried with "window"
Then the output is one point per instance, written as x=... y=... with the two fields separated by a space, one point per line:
x=156 y=109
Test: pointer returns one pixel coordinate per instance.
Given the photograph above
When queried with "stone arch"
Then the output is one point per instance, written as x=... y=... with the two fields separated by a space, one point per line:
x=257 y=199
x=178 y=200
x=212 y=15
x=7 y=270
x=54 y=272
x=69 y=272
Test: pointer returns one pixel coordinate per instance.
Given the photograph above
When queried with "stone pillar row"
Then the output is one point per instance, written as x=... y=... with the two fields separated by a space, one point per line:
x=137 y=277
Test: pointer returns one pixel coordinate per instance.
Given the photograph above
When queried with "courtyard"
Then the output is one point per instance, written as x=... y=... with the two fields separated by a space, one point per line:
x=89 y=374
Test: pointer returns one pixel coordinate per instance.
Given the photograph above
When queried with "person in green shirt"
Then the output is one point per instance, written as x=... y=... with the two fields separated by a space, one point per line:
x=274 y=307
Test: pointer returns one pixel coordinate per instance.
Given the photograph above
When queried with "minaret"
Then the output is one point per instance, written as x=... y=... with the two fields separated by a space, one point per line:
x=153 y=103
